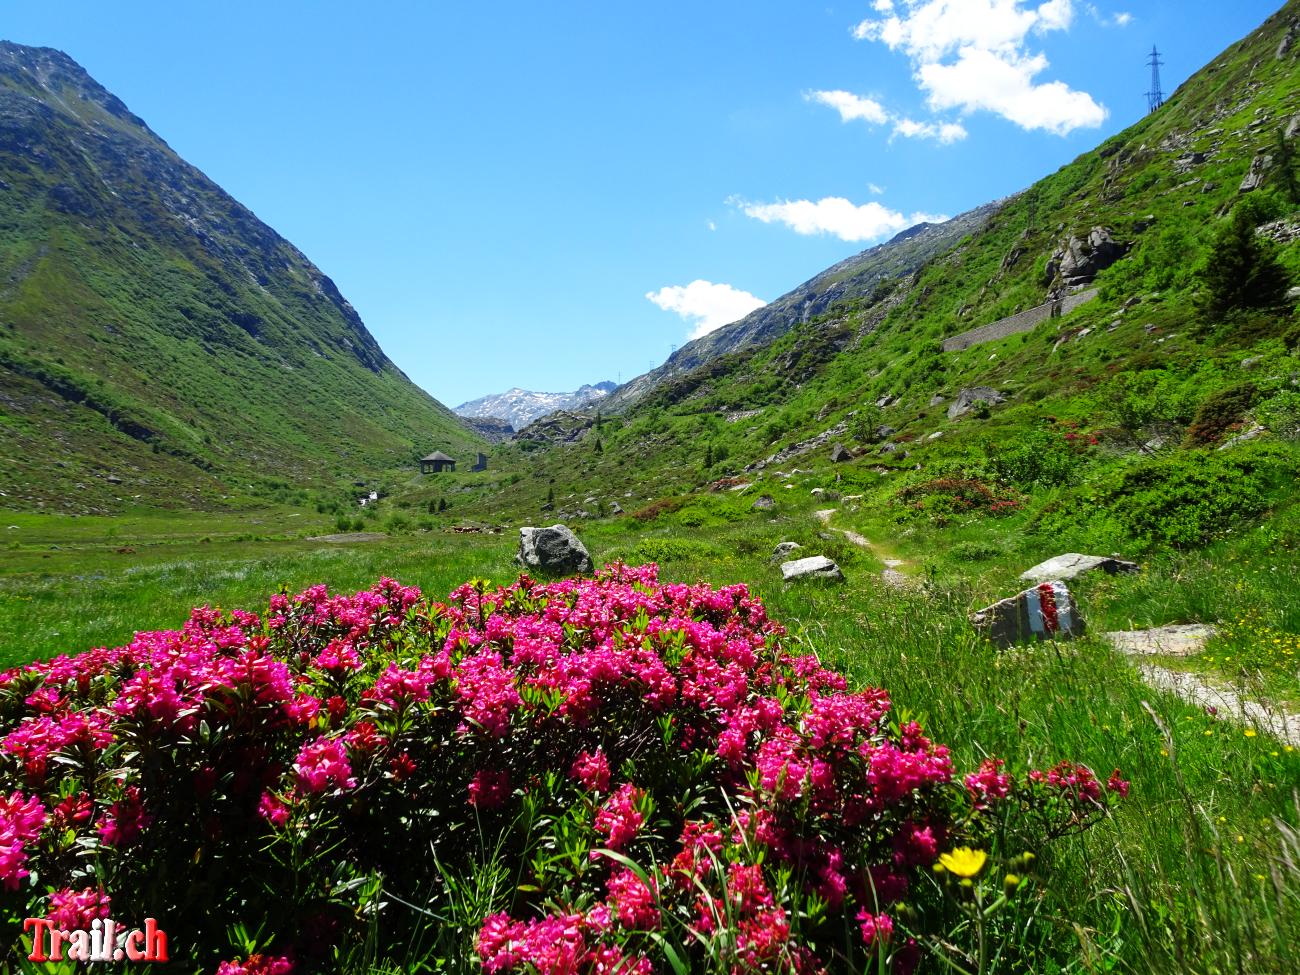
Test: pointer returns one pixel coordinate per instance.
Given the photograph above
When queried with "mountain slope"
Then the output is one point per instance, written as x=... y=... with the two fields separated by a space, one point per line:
x=154 y=332
x=854 y=278
x=1145 y=360
x=521 y=407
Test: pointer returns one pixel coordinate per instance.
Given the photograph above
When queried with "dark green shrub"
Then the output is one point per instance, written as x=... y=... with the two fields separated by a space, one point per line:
x=1242 y=270
x=1219 y=412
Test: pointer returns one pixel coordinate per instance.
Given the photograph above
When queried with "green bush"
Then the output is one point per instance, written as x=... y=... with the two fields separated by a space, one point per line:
x=1038 y=457
x=1184 y=500
x=1281 y=414
x=1219 y=412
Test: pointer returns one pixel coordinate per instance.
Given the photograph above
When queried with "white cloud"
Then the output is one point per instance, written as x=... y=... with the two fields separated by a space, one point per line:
x=972 y=55
x=835 y=215
x=711 y=225
x=856 y=107
x=709 y=306
x=943 y=132
x=851 y=106
x=875 y=188
x=1121 y=19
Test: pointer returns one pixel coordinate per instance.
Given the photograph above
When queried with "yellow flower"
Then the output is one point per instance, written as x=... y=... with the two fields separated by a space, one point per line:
x=963 y=861
x=1250 y=732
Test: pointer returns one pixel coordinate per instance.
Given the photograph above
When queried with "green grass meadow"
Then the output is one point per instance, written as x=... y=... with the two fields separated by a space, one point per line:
x=1199 y=871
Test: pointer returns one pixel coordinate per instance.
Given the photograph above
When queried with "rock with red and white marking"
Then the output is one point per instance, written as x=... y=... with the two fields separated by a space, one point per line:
x=1045 y=612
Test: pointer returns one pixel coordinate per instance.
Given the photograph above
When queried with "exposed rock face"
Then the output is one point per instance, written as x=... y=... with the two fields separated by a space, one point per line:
x=557 y=428
x=840 y=454
x=1080 y=260
x=1073 y=564
x=967 y=399
x=813 y=567
x=1254 y=177
x=765 y=502
x=1045 y=612
x=552 y=551
x=493 y=429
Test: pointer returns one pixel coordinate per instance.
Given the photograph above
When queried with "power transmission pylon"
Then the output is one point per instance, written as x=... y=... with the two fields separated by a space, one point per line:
x=1155 y=97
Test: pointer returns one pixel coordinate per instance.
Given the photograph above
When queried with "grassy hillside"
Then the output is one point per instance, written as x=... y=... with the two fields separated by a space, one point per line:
x=158 y=343
x=1142 y=384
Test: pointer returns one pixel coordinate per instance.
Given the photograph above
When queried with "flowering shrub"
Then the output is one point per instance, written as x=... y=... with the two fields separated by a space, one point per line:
x=596 y=775
x=944 y=498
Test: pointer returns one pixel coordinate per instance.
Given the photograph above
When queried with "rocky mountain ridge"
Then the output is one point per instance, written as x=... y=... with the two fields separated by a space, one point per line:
x=520 y=407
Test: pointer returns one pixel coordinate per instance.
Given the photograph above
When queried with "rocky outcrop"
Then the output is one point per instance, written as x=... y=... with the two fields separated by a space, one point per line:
x=813 y=567
x=1080 y=259
x=1072 y=565
x=840 y=454
x=552 y=551
x=802 y=447
x=493 y=429
x=1254 y=177
x=1045 y=612
x=967 y=399
x=557 y=428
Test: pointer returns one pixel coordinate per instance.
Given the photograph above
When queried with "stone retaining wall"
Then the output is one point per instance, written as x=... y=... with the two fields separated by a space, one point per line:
x=1023 y=322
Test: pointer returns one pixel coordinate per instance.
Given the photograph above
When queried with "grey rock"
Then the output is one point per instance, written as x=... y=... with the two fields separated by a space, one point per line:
x=783 y=549
x=1250 y=434
x=764 y=502
x=813 y=567
x=1180 y=640
x=615 y=508
x=840 y=454
x=967 y=398
x=884 y=431
x=936 y=399
x=1252 y=362
x=1045 y=612
x=888 y=448
x=1254 y=177
x=552 y=551
x=1080 y=259
x=548 y=506
x=1073 y=564
x=886 y=401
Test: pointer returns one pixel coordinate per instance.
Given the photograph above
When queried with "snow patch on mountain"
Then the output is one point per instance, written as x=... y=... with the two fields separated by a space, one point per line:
x=522 y=406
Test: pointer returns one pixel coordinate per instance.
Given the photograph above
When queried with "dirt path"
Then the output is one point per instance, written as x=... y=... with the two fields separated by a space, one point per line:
x=890 y=573
x=1187 y=641
x=1195 y=689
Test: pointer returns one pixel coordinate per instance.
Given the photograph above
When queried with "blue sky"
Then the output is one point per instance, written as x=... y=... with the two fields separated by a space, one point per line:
x=547 y=194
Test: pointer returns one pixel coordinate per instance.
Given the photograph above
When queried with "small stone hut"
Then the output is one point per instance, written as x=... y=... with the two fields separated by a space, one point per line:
x=436 y=463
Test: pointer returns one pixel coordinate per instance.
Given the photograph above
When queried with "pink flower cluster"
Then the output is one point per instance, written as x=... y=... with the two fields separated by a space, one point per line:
x=568 y=943
x=72 y=910
x=662 y=721
x=21 y=819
